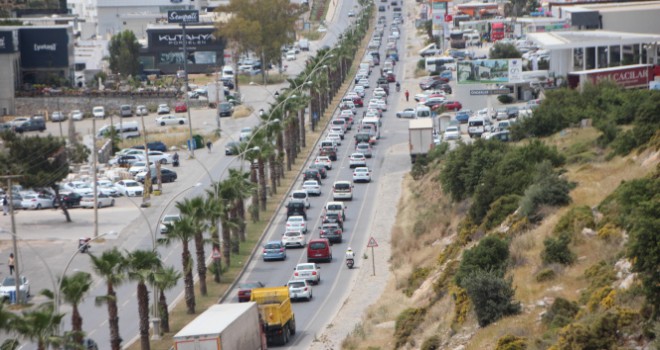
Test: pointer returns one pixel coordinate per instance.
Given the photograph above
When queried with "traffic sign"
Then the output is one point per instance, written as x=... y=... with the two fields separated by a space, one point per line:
x=216 y=254
x=489 y=92
x=372 y=243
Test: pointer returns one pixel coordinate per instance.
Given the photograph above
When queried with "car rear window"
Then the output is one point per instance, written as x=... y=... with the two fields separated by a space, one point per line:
x=297 y=284
x=334 y=207
x=342 y=186
x=317 y=245
x=292 y=234
x=299 y=195
x=272 y=246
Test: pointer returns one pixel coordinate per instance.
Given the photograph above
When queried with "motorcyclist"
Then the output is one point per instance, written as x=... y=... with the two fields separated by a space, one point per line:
x=398 y=86
x=349 y=254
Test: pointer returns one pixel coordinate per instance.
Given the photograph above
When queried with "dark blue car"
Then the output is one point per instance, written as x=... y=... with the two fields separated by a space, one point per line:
x=274 y=250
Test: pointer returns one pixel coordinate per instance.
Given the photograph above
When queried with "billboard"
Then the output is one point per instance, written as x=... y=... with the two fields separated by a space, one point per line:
x=8 y=41
x=489 y=71
x=183 y=16
x=44 y=47
x=196 y=38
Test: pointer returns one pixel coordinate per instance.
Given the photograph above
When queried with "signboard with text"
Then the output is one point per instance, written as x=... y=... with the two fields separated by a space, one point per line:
x=196 y=38
x=183 y=16
x=44 y=47
x=489 y=71
x=8 y=41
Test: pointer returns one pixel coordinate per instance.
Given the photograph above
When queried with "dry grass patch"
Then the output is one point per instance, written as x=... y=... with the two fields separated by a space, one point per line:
x=242 y=111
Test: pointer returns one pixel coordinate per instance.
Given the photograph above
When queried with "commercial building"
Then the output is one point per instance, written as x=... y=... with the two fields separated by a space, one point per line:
x=631 y=17
x=9 y=69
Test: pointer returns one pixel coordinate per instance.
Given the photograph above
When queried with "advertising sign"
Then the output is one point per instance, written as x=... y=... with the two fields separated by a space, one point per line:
x=173 y=38
x=44 y=47
x=489 y=71
x=8 y=41
x=183 y=16
x=626 y=77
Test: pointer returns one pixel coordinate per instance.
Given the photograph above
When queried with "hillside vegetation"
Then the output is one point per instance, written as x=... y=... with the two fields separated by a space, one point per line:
x=548 y=243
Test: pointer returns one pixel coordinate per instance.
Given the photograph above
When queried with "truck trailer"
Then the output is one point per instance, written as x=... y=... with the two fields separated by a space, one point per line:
x=278 y=320
x=223 y=327
x=420 y=137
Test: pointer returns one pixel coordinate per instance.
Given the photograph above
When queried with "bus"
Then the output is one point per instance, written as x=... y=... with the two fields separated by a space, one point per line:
x=497 y=31
x=456 y=39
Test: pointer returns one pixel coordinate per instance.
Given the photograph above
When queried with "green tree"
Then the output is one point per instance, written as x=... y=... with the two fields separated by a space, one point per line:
x=40 y=325
x=124 y=50
x=111 y=267
x=165 y=279
x=141 y=266
x=183 y=231
x=195 y=209
x=491 y=295
x=74 y=288
x=644 y=249
x=504 y=51
x=490 y=255
x=557 y=251
x=40 y=161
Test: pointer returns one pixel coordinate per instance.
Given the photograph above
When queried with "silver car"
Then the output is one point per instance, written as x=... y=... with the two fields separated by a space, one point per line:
x=363 y=148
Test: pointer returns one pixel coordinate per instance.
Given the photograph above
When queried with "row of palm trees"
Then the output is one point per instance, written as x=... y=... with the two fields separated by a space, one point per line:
x=221 y=211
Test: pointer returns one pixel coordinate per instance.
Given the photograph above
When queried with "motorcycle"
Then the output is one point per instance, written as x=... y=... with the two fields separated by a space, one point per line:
x=349 y=263
x=175 y=160
x=83 y=244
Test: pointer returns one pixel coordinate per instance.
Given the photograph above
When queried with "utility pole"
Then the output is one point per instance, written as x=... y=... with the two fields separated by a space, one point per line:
x=94 y=185
x=10 y=201
x=185 y=80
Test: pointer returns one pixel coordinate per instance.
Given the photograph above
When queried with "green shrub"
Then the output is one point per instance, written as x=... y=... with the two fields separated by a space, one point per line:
x=431 y=343
x=407 y=321
x=598 y=275
x=505 y=99
x=576 y=219
x=491 y=255
x=500 y=210
x=557 y=250
x=491 y=295
x=511 y=342
x=548 y=189
x=416 y=278
x=421 y=64
x=620 y=205
x=560 y=313
x=545 y=275
x=601 y=334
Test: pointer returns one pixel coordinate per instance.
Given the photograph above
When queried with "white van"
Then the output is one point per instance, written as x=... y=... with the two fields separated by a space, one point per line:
x=476 y=126
x=423 y=112
x=342 y=190
x=227 y=72
x=374 y=123
x=472 y=39
x=126 y=130
x=429 y=50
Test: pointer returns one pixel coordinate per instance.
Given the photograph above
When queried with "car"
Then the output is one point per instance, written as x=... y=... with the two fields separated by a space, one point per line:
x=321 y=168
x=160 y=157
x=379 y=92
x=463 y=116
x=452 y=133
x=141 y=110
x=331 y=152
x=57 y=116
x=163 y=109
x=358 y=89
x=245 y=290
x=364 y=82
x=245 y=133
x=339 y=130
x=129 y=188
x=80 y=187
x=125 y=160
x=294 y=238
x=381 y=8
x=168 y=219
x=351 y=13
x=319 y=250
x=231 y=149
x=312 y=174
x=296 y=222
x=452 y=105
x=301 y=195
x=69 y=199
x=406 y=113
x=433 y=84
x=291 y=55
x=325 y=160
x=8 y=286
x=299 y=289
x=153 y=146
x=107 y=187
x=37 y=201
x=334 y=137
x=171 y=120
x=102 y=200
x=434 y=102
x=342 y=190
x=364 y=148
x=274 y=250
x=166 y=175
x=225 y=109
x=357 y=160
x=332 y=231
x=76 y=114
x=180 y=107
x=296 y=207
x=502 y=116
x=139 y=167
x=361 y=174
x=312 y=187
x=503 y=125
x=98 y=112
x=310 y=272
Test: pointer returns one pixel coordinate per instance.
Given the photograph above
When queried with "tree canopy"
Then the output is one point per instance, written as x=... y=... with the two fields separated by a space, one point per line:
x=124 y=52
x=503 y=51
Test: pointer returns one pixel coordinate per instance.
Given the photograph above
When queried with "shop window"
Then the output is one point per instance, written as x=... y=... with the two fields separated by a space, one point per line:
x=615 y=56
x=578 y=57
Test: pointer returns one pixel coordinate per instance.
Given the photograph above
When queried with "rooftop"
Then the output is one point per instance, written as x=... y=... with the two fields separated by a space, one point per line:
x=577 y=39
x=624 y=6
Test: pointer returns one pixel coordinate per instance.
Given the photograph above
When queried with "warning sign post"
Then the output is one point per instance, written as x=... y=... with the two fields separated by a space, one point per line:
x=372 y=243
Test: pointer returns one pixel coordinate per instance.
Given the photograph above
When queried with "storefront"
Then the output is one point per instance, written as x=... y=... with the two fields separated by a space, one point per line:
x=47 y=55
x=164 y=50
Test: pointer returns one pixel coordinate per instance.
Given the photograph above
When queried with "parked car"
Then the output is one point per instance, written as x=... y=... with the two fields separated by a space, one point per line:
x=180 y=107
x=245 y=134
x=69 y=199
x=163 y=109
x=141 y=111
x=225 y=109
x=57 y=116
x=166 y=175
x=129 y=188
x=8 y=286
x=231 y=149
x=125 y=111
x=98 y=112
x=171 y=120
x=274 y=250
x=37 y=201
x=160 y=157
x=139 y=167
x=310 y=272
x=153 y=146
x=102 y=200
x=245 y=290
x=452 y=105
x=80 y=187
x=76 y=114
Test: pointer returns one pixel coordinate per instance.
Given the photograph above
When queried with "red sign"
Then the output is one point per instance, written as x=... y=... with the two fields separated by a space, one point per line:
x=448 y=18
x=626 y=77
x=372 y=243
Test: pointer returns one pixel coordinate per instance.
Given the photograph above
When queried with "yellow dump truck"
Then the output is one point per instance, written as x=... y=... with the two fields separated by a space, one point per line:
x=279 y=322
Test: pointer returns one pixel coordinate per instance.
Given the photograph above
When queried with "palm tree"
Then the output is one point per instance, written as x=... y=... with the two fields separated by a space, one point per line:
x=213 y=209
x=7 y=325
x=165 y=279
x=73 y=289
x=241 y=181
x=40 y=325
x=141 y=266
x=111 y=267
x=183 y=231
x=226 y=192
x=195 y=208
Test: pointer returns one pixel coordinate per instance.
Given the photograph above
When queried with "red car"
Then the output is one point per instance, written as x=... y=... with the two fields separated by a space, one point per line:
x=391 y=78
x=357 y=101
x=180 y=107
x=453 y=105
x=245 y=290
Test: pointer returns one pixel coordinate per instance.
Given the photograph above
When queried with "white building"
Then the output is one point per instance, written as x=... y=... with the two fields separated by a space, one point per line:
x=632 y=17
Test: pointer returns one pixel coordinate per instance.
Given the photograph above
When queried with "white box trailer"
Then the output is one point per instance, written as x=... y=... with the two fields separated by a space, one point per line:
x=223 y=327
x=420 y=137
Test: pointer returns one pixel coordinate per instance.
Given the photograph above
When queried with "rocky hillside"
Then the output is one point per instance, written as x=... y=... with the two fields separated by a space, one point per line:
x=544 y=244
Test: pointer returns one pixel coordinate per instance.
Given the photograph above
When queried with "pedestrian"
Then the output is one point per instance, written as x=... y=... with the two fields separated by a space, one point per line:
x=407 y=95
x=209 y=144
x=5 y=206
x=11 y=263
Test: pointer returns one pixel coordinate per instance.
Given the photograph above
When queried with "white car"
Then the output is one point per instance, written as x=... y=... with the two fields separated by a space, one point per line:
x=107 y=187
x=160 y=157
x=299 y=289
x=364 y=83
x=171 y=120
x=163 y=109
x=129 y=188
x=9 y=285
x=382 y=104
x=361 y=174
x=301 y=195
x=141 y=110
x=357 y=160
x=139 y=167
x=380 y=93
x=245 y=134
x=168 y=219
x=452 y=133
x=296 y=222
x=102 y=200
x=294 y=238
x=333 y=136
x=359 y=89
x=312 y=187
x=307 y=271
x=98 y=112
x=80 y=187
x=338 y=130
x=325 y=160
x=76 y=114
x=37 y=201
x=291 y=55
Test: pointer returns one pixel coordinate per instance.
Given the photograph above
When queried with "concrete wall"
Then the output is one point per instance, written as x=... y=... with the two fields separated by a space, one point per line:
x=645 y=22
x=8 y=76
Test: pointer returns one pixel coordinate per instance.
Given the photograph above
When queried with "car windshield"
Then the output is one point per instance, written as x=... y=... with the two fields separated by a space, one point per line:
x=342 y=186
x=8 y=282
x=248 y=285
x=305 y=267
x=310 y=183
